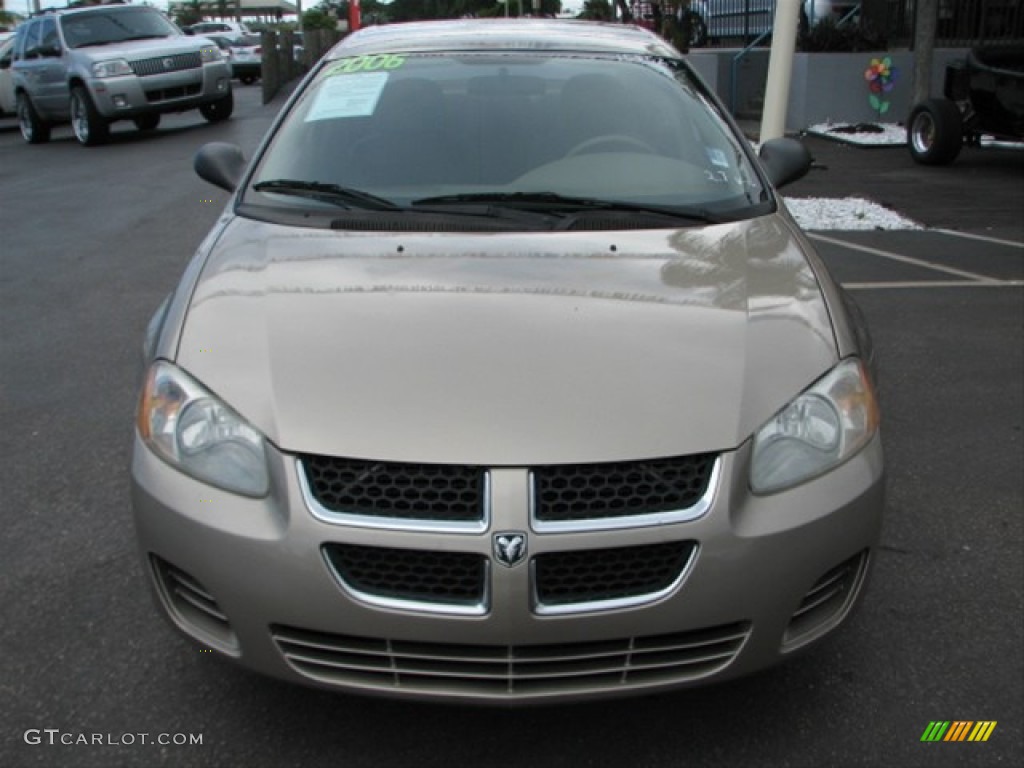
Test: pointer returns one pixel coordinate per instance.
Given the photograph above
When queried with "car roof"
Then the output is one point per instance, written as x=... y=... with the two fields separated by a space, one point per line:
x=85 y=9
x=503 y=34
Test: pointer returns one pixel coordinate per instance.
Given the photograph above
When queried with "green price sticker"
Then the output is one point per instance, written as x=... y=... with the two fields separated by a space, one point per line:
x=385 y=62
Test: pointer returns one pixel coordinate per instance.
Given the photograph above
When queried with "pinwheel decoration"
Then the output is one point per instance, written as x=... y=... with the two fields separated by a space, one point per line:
x=881 y=77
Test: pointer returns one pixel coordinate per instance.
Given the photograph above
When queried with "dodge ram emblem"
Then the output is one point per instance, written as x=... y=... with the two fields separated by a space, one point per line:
x=509 y=547
x=168 y=63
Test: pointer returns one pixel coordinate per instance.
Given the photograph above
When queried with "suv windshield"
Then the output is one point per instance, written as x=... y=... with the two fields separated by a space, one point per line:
x=539 y=131
x=114 y=25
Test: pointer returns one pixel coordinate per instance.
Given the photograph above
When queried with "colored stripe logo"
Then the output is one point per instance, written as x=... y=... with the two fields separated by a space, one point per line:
x=958 y=730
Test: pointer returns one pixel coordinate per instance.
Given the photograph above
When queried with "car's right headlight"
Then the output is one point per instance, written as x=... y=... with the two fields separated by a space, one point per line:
x=819 y=429
x=111 y=68
x=192 y=430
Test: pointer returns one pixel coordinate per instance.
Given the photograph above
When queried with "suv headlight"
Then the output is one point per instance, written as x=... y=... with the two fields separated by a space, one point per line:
x=817 y=431
x=195 y=432
x=210 y=53
x=111 y=68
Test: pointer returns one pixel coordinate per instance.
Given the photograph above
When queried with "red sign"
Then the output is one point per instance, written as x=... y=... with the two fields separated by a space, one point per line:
x=354 y=15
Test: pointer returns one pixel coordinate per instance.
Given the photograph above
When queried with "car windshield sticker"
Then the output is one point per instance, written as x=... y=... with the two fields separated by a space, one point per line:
x=377 y=63
x=347 y=96
x=717 y=157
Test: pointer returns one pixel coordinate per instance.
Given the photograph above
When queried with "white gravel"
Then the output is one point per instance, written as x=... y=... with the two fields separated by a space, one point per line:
x=891 y=134
x=845 y=213
x=851 y=212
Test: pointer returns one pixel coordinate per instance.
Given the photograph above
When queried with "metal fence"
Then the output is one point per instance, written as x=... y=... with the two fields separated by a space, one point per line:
x=727 y=23
x=962 y=23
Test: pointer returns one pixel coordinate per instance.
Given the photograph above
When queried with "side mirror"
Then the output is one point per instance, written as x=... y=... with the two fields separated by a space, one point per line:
x=221 y=164
x=784 y=160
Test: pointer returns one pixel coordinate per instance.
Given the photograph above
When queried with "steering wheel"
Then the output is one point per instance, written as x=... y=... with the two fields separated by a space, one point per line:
x=591 y=144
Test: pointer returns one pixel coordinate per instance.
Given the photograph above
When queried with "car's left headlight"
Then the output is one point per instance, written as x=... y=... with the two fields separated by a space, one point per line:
x=194 y=431
x=210 y=53
x=820 y=429
x=111 y=68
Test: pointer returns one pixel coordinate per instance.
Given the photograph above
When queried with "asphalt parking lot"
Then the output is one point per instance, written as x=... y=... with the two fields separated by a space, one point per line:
x=91 y=240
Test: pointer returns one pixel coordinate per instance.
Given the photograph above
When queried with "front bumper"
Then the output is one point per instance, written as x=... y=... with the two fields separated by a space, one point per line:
x=124 y=97
x=249 y=578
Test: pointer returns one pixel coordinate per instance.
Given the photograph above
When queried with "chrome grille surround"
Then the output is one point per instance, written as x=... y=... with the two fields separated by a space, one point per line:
x=509 y=672
x=362 y=494
x=456 y=583
x=400 y=520
x=609 y=575
x=172 y=62
x=698 y=508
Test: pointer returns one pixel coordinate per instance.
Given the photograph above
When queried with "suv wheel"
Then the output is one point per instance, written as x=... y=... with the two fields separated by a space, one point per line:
x=218 y=110
x=935 y=132
x=33 y=129
x=88 y=124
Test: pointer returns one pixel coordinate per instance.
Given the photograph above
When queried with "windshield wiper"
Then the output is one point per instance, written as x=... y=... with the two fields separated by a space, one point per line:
x=346 y=197
x=553 y=202
x=145 y=37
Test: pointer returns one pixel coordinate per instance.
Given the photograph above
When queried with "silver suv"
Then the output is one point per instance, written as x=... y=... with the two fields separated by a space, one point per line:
x=95 y=65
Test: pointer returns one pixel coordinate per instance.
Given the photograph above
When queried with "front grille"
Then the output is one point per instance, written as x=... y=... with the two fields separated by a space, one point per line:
x=827 y=601
x=575 y=577
x=620 y=489
x=449 y=578
x=193 y=605
x=443 y=492
x=159 y=65
x=508 y=672
x=169 y=94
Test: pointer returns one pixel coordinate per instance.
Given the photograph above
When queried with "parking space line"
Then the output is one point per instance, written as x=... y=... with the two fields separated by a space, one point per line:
x=934 y=284
x=983 y=238
x=904 y=259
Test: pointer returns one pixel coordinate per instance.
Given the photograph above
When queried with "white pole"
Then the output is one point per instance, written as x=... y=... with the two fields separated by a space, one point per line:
x=780 y=69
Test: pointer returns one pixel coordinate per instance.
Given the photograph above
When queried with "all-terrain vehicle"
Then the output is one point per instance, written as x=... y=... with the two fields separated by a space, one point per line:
x=984 y=95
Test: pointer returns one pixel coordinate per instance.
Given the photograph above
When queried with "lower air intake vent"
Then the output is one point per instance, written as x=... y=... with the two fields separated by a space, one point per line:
x=827 y=602
x=509 y=672
x=193 y=607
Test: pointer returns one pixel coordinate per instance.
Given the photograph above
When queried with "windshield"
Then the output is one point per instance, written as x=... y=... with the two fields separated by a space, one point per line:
x=522 y=129
x=114 y=26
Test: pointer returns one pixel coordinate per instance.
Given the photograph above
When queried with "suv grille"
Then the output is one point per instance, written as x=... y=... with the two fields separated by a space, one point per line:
x=509 y=672
x=453 y=578
x=620 y=489
x=565 y=578
x=158 y=65
x=407 y=491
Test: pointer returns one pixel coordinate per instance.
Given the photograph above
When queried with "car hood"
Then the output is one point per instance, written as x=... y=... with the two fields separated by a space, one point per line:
x=134 y=50
x=507 y=349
